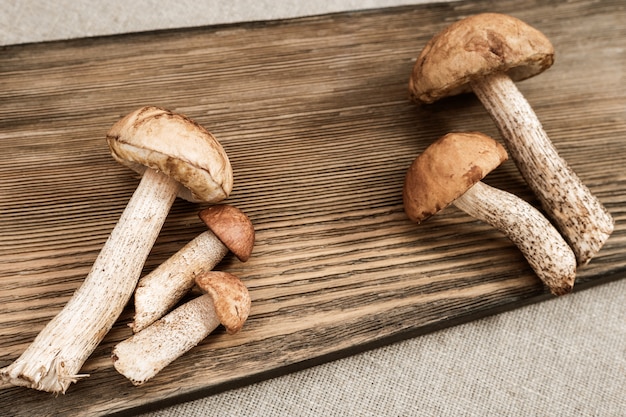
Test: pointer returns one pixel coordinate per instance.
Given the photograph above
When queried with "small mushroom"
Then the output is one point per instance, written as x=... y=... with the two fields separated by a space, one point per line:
x=146 y=353
x=450 y=171
x=159 y=291
x=175 y=156
x=486 y=53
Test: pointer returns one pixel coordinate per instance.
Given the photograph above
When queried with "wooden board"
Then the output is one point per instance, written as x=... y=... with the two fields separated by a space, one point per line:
x=315 y=116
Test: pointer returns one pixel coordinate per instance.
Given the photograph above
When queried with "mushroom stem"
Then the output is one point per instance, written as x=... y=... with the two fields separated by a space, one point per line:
x=541 y=244
x=581 y=218
x=57 y=354
x=144 y=354
x=159 y=291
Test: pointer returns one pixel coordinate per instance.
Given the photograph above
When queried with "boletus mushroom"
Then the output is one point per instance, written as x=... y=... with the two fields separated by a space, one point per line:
x=450 y=171
x=175 y=156
x=146 y=353
x=157 y=292
x=486 y=53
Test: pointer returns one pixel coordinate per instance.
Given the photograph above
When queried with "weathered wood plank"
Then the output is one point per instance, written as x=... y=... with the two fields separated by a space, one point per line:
x=314 y=114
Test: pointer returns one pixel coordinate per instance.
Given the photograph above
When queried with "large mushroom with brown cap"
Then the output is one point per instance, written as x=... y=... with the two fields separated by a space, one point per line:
x=486 y=53
x=157 y=292
x=450 y=171
x=146 y=353
x=175 y=156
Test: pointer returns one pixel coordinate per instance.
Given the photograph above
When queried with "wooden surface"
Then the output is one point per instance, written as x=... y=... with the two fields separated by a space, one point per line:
x=314 y=114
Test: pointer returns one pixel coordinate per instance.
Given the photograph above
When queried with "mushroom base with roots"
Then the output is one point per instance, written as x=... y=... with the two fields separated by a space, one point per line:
x=53 y=361
x=543 y=247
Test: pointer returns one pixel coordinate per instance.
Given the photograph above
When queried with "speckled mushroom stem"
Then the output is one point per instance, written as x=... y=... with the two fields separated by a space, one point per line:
x=582 y=219
x=543 y=247
x=159 y=291
x=143 y=355
x=53 y=361
x=146 y=353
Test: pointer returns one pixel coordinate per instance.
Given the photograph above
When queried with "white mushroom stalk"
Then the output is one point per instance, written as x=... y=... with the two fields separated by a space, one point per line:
x=159 y=291
x=450 y=171
x=486 y=53
x=143 y=355
x=54 y=359
x=581 y=217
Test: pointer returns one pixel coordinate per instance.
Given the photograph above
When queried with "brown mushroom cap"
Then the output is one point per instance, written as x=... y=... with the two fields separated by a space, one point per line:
x=230 y=298
x=446 y=169
x=475 y=46
x=177 y=146
x=232 y=227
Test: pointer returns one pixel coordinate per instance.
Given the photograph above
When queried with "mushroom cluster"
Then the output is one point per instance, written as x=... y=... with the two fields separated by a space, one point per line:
x=156 y=293
x=450 y=171
x=162 y=334
x=486 y=53
x=174 y=156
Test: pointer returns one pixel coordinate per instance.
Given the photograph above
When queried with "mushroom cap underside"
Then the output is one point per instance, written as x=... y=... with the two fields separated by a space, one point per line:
x=476 y=46
x=446 y=169
x=152 y=137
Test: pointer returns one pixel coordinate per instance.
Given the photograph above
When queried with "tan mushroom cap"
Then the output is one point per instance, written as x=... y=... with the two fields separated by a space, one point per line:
x=475 y=46
x=177 y=146
x=230 y=298
x=232 y=227
x=446 y=169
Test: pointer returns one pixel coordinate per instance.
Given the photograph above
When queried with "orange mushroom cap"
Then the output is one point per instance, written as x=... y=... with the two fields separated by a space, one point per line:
x=232 y=227
x=446 y=169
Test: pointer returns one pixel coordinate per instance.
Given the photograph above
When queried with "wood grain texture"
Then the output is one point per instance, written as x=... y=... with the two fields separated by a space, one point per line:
x=315 y=116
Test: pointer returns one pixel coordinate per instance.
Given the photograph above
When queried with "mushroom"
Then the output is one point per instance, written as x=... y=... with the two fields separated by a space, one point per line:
x=175 y=156
x=485 y=54
x=159 y=291
x=450 y=171
x=146 y=353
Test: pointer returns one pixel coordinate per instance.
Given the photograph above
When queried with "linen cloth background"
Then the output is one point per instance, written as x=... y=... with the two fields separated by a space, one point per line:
x=562 y=357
